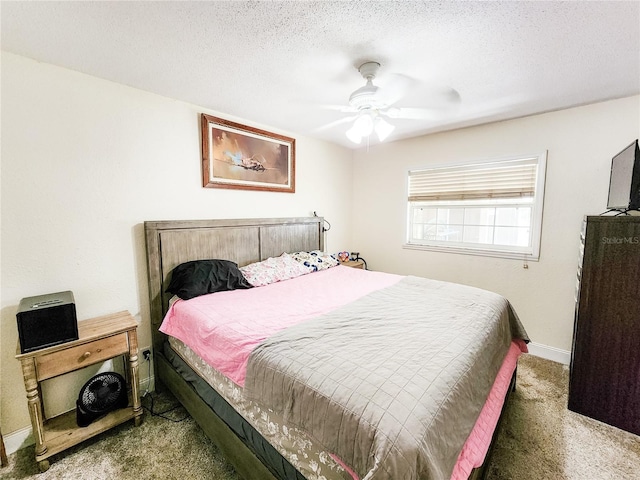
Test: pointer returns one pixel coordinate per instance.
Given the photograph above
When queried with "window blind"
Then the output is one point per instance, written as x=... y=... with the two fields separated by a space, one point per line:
x=506 y=179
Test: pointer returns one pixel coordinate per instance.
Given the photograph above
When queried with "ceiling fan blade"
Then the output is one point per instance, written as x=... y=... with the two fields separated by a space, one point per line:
x=335 y=123
x=394 y=88
x=410 y=113
x=448 y=96
x=339 y=108
x=432 y=96
x=437 y=97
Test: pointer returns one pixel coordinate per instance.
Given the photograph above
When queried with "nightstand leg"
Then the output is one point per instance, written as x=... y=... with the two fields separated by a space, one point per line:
x=135 y=382
x=3 y=453
x=34 y=403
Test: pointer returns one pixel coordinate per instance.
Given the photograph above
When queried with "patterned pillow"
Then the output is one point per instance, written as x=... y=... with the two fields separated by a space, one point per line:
x=273 y=269
x=316 y=260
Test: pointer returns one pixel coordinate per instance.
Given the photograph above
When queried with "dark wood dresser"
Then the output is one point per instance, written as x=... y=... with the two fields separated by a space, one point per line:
x=605 y=359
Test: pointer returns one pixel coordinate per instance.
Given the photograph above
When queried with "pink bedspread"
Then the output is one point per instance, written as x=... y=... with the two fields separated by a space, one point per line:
x=223 y=328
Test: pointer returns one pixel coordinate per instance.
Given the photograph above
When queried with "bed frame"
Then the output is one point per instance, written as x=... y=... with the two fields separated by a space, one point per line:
x=244 y=241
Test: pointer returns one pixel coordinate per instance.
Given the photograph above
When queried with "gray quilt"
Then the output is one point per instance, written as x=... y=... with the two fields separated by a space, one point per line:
x=394 y=382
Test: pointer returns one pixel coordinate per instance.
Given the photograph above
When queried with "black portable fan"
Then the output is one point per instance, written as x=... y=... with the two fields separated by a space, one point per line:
x=100 y=395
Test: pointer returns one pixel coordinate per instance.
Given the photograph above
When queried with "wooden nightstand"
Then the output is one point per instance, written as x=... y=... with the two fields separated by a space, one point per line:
x=353 y=264
x=100 y=339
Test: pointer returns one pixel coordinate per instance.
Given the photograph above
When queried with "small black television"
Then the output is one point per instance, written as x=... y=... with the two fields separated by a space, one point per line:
x=624 y=184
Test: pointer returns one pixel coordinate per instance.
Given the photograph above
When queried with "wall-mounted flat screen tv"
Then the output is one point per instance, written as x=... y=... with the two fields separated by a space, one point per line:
x=624 y=184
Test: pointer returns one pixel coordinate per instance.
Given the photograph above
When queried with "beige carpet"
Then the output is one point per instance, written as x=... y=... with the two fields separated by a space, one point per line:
x=539 y=439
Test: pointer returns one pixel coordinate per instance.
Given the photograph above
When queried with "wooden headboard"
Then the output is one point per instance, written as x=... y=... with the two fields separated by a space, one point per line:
x=244 y=241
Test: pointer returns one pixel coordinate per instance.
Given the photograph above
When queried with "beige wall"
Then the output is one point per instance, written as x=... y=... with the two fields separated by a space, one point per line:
x=580 y=143
x=84 y=163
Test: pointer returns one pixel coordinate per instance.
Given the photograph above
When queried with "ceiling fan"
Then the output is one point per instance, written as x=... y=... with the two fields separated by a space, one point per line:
x=371 y=103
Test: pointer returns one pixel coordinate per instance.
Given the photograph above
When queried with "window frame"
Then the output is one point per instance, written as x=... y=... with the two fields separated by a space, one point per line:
x=532 y=253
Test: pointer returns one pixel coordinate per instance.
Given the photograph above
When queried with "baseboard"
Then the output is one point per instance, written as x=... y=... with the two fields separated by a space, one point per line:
x=550 y=353
x=22 y=438
x=19 y=439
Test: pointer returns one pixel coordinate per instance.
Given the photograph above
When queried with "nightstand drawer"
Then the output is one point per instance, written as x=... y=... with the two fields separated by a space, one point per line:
x=57 y=363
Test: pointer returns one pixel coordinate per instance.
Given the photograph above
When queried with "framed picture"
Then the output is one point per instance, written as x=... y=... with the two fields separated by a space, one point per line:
x=246 y=158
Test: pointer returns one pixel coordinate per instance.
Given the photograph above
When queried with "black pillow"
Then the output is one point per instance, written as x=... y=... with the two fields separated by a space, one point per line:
x=198 y=277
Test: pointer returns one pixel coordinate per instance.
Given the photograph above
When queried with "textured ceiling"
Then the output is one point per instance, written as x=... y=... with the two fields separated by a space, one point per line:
x=281 y=63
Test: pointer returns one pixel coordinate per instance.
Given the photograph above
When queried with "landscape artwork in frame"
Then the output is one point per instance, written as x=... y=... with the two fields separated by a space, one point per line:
x=246 y=158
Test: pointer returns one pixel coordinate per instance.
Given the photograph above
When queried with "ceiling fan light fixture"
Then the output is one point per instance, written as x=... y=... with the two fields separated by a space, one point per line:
x=353 y=135
x=362 y=127
x=383 y=128
x=366 y=124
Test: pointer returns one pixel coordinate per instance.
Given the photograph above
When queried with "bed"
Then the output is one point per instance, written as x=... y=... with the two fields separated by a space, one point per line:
x=246 y=416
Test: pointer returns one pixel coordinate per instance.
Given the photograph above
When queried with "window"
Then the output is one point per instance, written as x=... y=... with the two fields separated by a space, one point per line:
x=489 y=208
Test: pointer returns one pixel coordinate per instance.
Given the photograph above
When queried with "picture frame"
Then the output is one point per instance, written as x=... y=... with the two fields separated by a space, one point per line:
x=240 y=157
